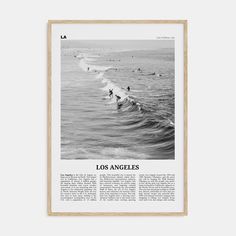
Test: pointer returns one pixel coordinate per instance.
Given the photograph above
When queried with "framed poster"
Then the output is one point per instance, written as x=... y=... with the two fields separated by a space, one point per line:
x=117 y=117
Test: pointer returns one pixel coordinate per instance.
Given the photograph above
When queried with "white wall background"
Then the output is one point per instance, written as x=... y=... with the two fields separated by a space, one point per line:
x=212 y=117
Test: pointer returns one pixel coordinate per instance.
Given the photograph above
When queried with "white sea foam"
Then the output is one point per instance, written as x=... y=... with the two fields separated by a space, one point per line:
x=123 y=153
x=88 y=67
x=100 y=75
x=116 y=90
x=171 y=122
x=85 y=66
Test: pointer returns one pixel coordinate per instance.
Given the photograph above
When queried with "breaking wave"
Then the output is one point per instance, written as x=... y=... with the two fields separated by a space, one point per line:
x=158 y=130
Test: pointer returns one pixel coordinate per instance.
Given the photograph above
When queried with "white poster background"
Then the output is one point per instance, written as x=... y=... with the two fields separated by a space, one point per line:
x=118 y=32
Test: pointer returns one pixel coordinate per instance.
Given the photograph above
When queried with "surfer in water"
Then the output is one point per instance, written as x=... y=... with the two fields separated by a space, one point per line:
x=154 y=73
x=128 y=88
x=110 y=92
x=88 y=68
x=117 y=100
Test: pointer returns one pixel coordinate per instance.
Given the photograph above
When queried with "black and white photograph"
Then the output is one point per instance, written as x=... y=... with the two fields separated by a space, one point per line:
x=117 y=99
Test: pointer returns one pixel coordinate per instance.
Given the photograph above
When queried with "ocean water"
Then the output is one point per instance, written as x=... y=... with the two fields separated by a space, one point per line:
x=94 y=125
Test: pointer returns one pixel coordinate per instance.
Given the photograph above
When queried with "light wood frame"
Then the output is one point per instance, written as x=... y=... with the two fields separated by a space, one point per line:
x=49 y=117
